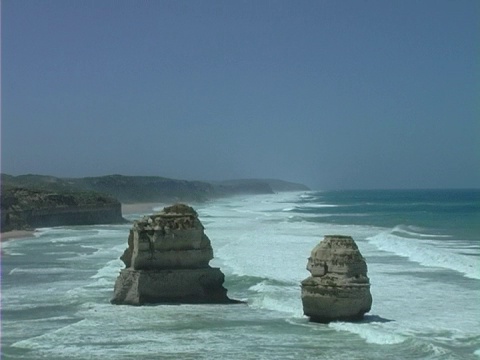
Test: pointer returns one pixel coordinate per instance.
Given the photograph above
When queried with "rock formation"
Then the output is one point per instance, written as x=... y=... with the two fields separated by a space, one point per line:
x=339 y=288
x=27 y=208
x=167 y=262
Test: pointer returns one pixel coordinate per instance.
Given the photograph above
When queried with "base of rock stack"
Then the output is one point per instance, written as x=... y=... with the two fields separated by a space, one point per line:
x=186 y=286
x=324 y=304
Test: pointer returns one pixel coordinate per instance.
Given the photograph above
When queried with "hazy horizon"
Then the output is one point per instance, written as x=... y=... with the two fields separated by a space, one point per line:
x=334 y=95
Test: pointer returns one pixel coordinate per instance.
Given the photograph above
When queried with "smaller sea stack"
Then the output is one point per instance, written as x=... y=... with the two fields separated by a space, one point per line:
x=339 y=288
x=167 y=262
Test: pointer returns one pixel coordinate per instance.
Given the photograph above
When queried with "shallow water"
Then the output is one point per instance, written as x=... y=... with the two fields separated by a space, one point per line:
x=423 y=267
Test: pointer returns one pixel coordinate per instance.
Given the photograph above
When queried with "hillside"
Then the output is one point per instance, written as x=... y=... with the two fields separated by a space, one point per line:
x=130 y=189
x=29 y=201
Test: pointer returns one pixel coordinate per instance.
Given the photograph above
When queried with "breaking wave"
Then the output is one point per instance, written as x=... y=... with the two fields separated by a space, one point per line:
x=427 y=252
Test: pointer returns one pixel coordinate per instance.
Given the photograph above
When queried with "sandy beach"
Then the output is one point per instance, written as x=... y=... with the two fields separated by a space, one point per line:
x=16 y=234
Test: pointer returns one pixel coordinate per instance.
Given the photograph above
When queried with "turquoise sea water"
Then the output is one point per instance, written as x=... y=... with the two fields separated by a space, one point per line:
x=422 y=249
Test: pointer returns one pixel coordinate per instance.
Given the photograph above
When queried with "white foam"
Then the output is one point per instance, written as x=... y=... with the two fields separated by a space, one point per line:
x=164 y=331
x=7 y=251
x=102 y=284
x=41 y=231
x=314 y=206
x=371 y=333
x=308 y=206
x=110 y=270
x=40 y=271
x=285 y=299
x=52 y=318
x=427 y=253
x=416 y=231
x=58 y=253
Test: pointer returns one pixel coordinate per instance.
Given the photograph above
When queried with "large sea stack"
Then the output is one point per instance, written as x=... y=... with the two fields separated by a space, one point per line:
x=167 y=262
x=339 y=288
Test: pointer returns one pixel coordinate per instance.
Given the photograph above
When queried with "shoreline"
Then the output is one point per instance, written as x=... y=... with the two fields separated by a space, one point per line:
x=16 y=234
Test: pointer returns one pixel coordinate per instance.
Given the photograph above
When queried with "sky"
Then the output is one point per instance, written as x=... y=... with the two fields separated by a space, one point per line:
x=333 y=94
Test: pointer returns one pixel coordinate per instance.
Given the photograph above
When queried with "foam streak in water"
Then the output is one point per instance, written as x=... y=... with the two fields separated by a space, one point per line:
x=427 y=253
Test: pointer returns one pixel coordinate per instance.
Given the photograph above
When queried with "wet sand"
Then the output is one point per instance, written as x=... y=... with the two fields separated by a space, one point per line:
x=16 y=234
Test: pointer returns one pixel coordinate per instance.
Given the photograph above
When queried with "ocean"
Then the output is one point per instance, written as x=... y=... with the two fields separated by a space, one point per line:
x=422 y=250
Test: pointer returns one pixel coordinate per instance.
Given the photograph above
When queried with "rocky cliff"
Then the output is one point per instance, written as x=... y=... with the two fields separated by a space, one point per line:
x=339 y=288
x=167 y=261
x=53 y=201
x=27 y=208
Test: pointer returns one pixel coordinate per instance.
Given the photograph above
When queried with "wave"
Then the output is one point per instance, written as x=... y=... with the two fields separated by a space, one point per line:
x=308 y=207
x=52 y=318
x=416 y=231
x=371 y=333
x=41 y=271
x=110 y=270
x=314 y=206
x=309 y=195
x=60 y=253
x=247 y=281
x=42 y=231
x=428 y=253
x=6 y=251
x=280 y=298
x=267 y=293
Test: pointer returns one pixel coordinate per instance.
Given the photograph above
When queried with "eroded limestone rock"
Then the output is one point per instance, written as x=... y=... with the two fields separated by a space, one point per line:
x=339 y=288
x=167 y=261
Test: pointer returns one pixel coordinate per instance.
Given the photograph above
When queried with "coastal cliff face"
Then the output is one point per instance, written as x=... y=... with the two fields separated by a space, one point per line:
x=23 y=208
x=167 y=262
x=339 y=288
x=30 y=201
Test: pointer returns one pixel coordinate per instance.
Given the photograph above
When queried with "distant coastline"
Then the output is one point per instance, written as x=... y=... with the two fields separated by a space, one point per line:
x=33 y=201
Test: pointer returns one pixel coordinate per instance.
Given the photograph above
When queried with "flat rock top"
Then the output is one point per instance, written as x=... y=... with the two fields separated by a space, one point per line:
x=178 y=216
x=338 y=241
x=179 y=209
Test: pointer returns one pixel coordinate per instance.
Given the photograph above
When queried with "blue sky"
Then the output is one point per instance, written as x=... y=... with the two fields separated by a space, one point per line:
x=334 y=94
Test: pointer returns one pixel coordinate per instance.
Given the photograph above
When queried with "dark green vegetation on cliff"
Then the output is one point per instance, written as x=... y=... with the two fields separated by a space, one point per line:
x=26 y=206
x=131 y=189
x=29 y=201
